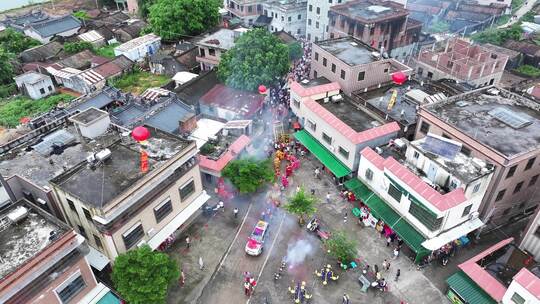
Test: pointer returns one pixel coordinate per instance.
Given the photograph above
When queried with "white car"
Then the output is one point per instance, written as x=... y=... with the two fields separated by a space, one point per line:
x=255 y=242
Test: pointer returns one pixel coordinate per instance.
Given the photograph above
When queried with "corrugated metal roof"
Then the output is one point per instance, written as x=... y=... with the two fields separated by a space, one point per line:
x=135 y=43
x=91 y=36
x=56 y=26
x=467 y=289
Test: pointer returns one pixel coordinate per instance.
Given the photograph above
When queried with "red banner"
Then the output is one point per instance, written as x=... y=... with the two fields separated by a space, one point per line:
x=144 y=161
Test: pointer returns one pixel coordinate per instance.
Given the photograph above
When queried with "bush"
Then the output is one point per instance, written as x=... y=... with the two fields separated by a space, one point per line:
x=12 y=110
x=498 y=36
x=8 y=90
x=75 y=47
x=138 y=81
x=207 y=149
x=107 y=51
x=529 y=70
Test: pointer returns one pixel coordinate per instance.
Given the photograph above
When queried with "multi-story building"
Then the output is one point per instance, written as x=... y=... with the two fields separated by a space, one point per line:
x=335 y=129
x=126 y=194
x=433 y=189
x=384 y=25
x=317 y=18
x=501 y=128
x=213 y=46
x=43 y=260
x=462 y=61
x=353 y=64
x=246 y=10
x=288 y=16
x=500 y=274
x=530 y=242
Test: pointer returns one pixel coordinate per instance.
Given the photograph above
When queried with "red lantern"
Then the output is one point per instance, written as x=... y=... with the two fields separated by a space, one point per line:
x=140 y=134
x=262 y=89
x=399 y=78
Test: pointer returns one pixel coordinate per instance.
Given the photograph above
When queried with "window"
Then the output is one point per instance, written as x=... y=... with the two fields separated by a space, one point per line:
x=516 y=298
x=466 y=211
x=315 y=72
x=342 y=74
x=211 y=52
x=298 y=31
x=429 y=75
x=416 y=155
x=518 y=187
x=250 y=9
x=97 y=240
x=312 y=125
x=187 y=190
x=296 y=103
x=316 y=24
x=476 y=188
x=309 y=35
x=310 y=7
x=386 y=70
x=318 y=10
x=530 y=163
x=369 y=174
x=309 y=22
x=372 y=31
x=533 y=180
x=361 y=75
x=162 y=210
x=299 y=17
x=289 y=19
x=511 y=171
x=282 y=18
x=330 y=1
x=500 y=195
x=42 y=91
x=87 y=214
x=324 y=61
x=133 y=235
x=50 y=89
x=394 y=192
x=333 y=68
x=466 y=151
x=82 y=231
x=70 y=290
x=424 y=127
x=446 y=135
x=425 y=216
x=537 y=232
x=202 y=52
x=327 y=138
x=316 y=56
x=71 y=205
x=343 y=153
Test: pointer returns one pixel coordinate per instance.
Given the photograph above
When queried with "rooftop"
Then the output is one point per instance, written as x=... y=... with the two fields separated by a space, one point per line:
x=24 y=237
x=137 y=42
x=55 y=26
x=349 y=50
x=88 y=116
x=499 y=119
x=31 y=77
x=244 y=103
x=100 y=99
x=192 y=91
x=100 y=184
x=222 y=39
x=352 y=115
x=42 y=52
x=370 y=10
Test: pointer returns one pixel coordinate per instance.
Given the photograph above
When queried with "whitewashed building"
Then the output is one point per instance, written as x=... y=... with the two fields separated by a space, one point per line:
x=288 y=16
x=138 y=48
x=531 y=237
x=35 y=85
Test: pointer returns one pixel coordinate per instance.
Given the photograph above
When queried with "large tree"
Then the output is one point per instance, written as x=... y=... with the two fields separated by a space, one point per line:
x=248 y=175
x=142 y=276
x=6 y=68
x=14 y=42
x=341 y=247
x=172 y=19
x=258 y=57
x=301 y=204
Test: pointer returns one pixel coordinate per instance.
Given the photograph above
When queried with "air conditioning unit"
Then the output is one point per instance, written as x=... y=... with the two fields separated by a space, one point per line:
x=103 y=154
x=337 y=98
x=378 y=150
x=141 y=243
x=474 y=215
x=41 y=201
x=326 y=100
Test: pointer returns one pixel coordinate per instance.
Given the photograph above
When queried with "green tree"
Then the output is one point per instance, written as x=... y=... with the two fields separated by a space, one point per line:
x=75 y=47
x=258 y=57
x=142 y=276
x=499 y=36
x=172 y=19
x=15 y=42
x=440 y=26
x=248 y=175
x=301 y=204
x=341 y=247
x=144 y=6
x=529 y=70
x=295 y=50
x=81 y=15
x=6 y=68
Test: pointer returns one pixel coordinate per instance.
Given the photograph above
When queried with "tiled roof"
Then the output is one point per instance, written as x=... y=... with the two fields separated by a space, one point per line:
x=215 y=165
x=239 y=144
x=440 y=201
x=481 y=277
x=304 y=92
x=137 y=42
x=347 y=131
x=42 y=52
x=529 y=281
x=56 y=26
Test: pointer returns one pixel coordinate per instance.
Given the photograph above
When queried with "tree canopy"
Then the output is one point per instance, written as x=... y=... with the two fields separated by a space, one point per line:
x=341 y=247
x=258 y=57
x=142 y=276
x=295 y=50
x=301 y=204
x=248 y=175
x=499 y=36
x=75 y=47
x=6 y=68
x=172 y=19
x=14 y=42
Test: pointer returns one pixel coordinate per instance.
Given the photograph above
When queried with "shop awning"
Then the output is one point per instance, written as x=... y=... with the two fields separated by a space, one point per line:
x=381 y=210
x=322 y=154
x=453 y=234
x=467 y=289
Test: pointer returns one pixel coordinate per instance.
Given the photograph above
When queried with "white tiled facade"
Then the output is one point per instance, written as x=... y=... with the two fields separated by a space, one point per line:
x=317 y=18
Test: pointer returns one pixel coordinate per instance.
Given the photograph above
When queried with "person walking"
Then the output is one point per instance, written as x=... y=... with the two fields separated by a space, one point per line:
x=201 y=263
x=235 y=212
x=317 y=172
x=345 y=218
x=188 y=242
x=345 y=299
x=376 y=268
x=396 y=252
x=182 y=279
x=388 y=241
x=386 y=265
x=328 y=197
x=398 y=273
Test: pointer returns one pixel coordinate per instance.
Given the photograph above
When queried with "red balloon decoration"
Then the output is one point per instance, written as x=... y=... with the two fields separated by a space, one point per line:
x=140 y=134
x=399 y=78
x=262 y=89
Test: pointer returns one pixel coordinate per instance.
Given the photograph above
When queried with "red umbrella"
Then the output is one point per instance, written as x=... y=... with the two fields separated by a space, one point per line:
x=399 y=78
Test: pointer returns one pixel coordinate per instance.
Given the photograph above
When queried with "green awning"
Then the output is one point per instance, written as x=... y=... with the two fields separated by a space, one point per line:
x=468 y=290
x=322 y=154
x=381 y=210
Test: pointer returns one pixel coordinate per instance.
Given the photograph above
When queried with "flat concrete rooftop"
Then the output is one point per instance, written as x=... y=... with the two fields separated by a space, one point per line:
x=23 y=240
x=355 y=117
x=314 y=82
x=99 y=185
x=370 y=9
x=470 y=113
x=351 y=51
